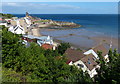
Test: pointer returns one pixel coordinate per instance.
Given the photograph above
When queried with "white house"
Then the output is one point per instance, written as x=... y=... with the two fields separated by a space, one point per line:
x=85 y=62
x=88 y=64
x=94 y=51
x=41 y=39
x=17 y=29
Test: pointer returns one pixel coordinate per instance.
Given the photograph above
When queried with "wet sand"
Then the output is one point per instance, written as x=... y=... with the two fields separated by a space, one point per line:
x=106 y=40
x=81 y=39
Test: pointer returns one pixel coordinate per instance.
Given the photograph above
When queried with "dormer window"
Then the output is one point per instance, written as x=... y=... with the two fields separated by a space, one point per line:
x=89 y=62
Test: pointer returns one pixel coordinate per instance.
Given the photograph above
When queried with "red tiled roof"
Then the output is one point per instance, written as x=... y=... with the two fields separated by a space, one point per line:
x=47 y=46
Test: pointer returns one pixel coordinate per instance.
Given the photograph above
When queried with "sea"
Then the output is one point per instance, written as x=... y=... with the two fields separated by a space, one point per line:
x=92 y=25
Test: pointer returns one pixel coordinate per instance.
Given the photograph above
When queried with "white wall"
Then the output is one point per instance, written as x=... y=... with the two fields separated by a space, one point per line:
x=91 y=51
x=106 y=58
x=5 y=24
x=80 y=62
x=92 y=73
x=71 y=63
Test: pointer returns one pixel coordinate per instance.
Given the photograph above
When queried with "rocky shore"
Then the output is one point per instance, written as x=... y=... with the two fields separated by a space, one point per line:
x=51 y=24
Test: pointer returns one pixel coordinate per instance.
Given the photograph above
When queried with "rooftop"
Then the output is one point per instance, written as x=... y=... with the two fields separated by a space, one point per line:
x=47 y=46
x=73 y=55
x=35 y=37
x=101 y=48
x=89 y=61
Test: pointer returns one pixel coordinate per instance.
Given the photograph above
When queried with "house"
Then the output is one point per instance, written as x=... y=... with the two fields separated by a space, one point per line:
x=47 y=46
x=23 y=22
x=41 y=40
x=3 y=22
x=94 y=51
x=44 y=41
x=17 y=29
x=85 y=62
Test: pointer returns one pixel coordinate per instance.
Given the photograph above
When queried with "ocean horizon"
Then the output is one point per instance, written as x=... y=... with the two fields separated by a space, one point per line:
x=104 y=24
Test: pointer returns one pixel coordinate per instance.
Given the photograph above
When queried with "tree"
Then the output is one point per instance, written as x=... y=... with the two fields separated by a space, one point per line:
x=109 y=72
x=63 y=47
x=36 y=64
x=6 y=15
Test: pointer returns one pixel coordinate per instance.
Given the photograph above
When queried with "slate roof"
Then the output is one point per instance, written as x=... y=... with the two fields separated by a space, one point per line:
x=89 y=61
x=73 y=55
x=101 y=48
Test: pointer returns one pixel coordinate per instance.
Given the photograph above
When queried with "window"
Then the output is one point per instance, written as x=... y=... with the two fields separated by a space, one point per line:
x=80 y=65
x=89 y=62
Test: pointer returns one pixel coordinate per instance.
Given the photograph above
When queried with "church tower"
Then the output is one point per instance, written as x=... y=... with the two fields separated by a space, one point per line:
x=27 y=14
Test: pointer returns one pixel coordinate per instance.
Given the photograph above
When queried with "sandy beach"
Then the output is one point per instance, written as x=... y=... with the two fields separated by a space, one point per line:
x=106 y=40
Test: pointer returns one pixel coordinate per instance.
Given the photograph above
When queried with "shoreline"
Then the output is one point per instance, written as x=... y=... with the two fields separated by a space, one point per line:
x=85 y=42
x=106 y=40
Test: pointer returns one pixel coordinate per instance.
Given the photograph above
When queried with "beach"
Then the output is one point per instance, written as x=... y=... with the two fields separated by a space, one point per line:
x=106 y=40
x=81 y=39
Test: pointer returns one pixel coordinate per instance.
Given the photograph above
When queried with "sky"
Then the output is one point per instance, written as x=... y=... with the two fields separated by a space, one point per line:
x=59 y=7
x=60 y=0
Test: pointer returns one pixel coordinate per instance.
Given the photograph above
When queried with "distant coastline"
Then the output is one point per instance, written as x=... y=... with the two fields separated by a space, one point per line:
x=52 y=24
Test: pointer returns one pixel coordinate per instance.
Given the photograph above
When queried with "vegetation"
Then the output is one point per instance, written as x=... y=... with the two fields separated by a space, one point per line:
x=12 y=76
x=109 y=73
x=41 y=21
x=34 y=64
x=0 y=72
x=6 y=15
x=63 y=47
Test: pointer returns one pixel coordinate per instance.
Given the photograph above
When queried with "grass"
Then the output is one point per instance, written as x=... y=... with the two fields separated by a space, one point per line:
x=41 y=21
